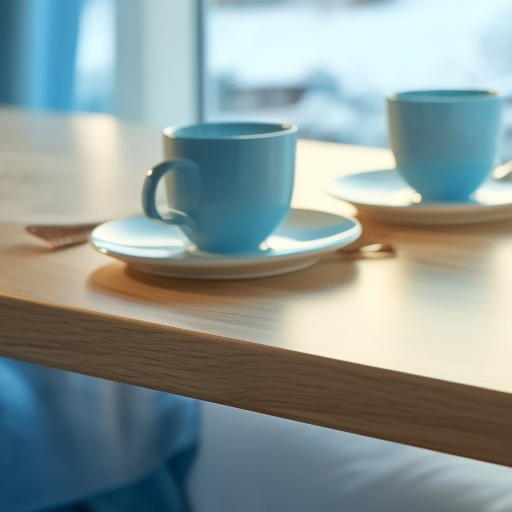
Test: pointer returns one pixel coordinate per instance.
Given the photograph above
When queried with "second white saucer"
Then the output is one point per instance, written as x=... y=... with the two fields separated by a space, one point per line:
x=386 y=196
x=161 y=249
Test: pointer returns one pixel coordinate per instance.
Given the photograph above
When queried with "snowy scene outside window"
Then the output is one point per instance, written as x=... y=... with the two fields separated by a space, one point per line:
x=326 y=65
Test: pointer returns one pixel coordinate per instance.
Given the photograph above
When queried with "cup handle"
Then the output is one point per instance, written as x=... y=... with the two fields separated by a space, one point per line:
x=153 y=177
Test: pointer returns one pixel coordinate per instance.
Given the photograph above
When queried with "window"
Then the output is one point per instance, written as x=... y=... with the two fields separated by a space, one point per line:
x=326 y=65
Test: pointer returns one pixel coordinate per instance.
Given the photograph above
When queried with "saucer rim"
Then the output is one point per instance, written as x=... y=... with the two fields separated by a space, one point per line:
x=421 y=207
x=343 y=238
x=240 y=272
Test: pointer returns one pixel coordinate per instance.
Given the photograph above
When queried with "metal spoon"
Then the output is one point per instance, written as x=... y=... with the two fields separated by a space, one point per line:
x=503 y=171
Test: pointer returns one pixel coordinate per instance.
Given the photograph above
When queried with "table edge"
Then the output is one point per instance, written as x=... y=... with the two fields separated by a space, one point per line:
x=419 y=411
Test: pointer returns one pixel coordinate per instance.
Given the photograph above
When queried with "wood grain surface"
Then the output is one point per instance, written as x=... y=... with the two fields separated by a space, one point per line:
x=415 y=349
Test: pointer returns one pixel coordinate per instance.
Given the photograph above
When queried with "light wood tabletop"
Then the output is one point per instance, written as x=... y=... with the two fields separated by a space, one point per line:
x=415 y=349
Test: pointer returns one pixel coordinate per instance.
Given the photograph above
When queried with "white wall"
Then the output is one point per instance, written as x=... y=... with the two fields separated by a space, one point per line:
x=157 y=78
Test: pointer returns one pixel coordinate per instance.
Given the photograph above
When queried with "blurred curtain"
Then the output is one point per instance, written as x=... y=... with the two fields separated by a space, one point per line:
x=38 y=52
x=113 y=56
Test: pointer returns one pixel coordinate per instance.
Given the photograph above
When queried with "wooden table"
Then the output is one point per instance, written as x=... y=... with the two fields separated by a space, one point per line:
x=415 y=349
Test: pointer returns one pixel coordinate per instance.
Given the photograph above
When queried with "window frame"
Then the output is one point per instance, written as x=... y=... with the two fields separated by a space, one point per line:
x=160 y=70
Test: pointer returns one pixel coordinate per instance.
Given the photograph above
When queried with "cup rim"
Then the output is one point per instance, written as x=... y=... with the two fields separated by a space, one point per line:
x=445 y=95
x=274 y=130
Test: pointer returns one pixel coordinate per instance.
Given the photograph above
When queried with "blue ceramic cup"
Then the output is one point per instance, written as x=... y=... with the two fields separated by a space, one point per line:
x=445 y=142
x=229 y=185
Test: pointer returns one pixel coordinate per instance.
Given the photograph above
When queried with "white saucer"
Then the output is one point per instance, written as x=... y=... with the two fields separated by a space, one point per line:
x=386 y=196
x=161 y=249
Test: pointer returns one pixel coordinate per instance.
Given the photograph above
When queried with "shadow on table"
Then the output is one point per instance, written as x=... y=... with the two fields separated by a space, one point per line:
x=328 y=275
x=27 y=250
x=383 y=230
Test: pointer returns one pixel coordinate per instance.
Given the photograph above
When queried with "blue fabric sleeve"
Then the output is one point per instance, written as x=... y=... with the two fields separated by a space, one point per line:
x=72 y=440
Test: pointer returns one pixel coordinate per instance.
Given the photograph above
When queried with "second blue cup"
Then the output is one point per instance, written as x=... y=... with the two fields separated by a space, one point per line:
x=445 y=141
